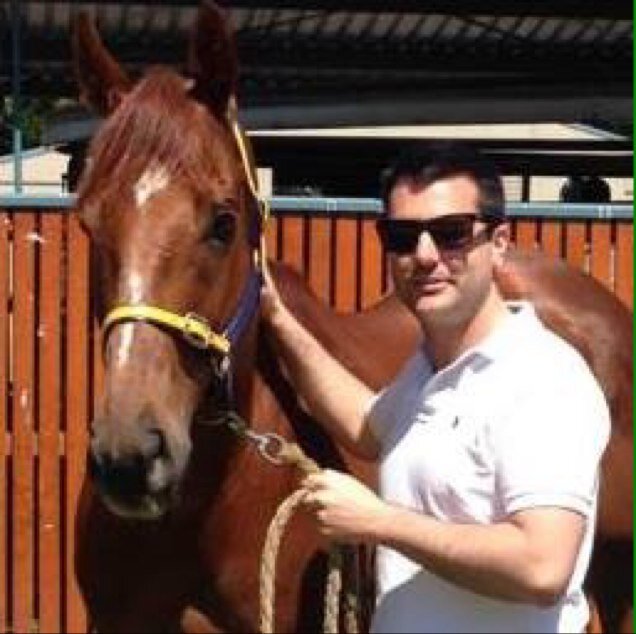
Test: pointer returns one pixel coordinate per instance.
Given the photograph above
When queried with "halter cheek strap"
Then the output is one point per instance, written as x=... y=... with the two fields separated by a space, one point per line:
x=194 y=328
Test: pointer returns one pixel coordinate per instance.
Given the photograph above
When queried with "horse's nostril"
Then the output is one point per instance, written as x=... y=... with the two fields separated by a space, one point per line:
x=154 y=444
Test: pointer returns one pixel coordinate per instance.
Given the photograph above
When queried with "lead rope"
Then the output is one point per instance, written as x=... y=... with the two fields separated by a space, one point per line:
x=291 y=454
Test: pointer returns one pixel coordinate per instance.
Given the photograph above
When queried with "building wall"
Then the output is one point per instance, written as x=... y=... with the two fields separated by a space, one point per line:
x=43 y=172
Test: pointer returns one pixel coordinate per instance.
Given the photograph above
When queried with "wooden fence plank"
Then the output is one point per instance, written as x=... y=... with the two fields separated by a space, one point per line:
x=23 y=404
x=526 y=235
x=601 y=253
x=576 y=252
x=319 y=274
x=77 y=408
x=271 y=238
x=293 y=252
x=371 y=266
x=624 y=270
x=49 y=429
x=5 y=272
x=551 y=231
x=345 y=259
x=98 y=367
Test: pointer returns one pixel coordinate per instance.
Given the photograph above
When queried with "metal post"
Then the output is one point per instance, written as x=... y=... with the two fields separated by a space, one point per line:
x=15 y=84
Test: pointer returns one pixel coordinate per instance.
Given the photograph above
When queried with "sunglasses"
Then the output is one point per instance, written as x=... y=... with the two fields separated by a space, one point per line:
x=454 y=231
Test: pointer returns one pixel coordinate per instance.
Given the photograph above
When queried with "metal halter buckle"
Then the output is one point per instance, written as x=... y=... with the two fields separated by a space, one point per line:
x=190 y=332
x=270 y=447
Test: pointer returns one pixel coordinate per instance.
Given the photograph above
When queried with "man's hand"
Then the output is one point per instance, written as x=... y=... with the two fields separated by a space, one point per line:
x=345 y=509
x=271 y=303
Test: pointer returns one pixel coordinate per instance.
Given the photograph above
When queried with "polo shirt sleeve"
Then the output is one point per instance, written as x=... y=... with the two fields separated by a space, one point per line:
x=547 y=451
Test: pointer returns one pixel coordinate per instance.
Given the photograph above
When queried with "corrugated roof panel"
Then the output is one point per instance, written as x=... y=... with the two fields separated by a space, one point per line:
x=381 y=25
x=291 y=21
x=359 y=24
x=529 y=27
x=333 y=23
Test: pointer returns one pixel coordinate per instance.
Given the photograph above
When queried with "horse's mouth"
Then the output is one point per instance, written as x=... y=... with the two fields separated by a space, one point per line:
x=145 y=507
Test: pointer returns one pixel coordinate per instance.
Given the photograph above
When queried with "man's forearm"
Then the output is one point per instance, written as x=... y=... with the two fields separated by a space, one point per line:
x=336 y=398
x=497 y=560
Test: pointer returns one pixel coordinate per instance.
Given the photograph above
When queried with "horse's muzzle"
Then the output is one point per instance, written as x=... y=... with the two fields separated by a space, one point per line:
x=137 y=483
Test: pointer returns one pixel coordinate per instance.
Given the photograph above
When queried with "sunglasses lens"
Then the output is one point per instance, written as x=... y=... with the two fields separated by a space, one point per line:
x=399 y=236
x=448 y=232
x=451 y=233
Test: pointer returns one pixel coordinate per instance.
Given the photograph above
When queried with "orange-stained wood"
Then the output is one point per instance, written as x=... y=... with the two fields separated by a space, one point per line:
x=526 y=232
x=77 y=407
x=320 y=257
x=5 y=226
x=345 y=259
x=576 y=247
x=24 y=423
x=371 y=268
x=601 y=253
x=551 y=231
x=624 y=276
x=271 y=238
x=293 y=243
x=49 y=384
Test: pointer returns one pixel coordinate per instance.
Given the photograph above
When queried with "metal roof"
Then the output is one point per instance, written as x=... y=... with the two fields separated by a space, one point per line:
x=317 y=63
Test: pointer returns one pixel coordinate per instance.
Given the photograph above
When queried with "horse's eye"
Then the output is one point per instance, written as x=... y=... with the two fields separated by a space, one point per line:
x=223 y=228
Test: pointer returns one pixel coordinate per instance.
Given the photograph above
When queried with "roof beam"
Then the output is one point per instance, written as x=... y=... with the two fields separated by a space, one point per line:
x=320 y=58
x=619 y=9
x=616 y=9
x=513 y=106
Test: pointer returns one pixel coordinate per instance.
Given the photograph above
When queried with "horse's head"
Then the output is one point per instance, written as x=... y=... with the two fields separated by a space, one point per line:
x=169 y=205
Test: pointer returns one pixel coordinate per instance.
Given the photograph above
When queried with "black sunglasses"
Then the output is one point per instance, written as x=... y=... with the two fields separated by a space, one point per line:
x=454 y=231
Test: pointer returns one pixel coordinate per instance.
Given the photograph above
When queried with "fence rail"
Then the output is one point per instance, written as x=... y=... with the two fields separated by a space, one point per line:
x=295 y=205
x=50 y=369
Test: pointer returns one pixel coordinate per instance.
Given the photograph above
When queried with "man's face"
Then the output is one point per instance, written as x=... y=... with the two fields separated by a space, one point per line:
x=442 y=285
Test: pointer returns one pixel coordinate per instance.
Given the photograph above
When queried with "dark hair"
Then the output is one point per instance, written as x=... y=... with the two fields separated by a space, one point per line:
x=429 y=162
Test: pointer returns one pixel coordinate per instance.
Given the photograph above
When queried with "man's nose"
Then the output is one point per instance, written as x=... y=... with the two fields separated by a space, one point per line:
x=426 y=250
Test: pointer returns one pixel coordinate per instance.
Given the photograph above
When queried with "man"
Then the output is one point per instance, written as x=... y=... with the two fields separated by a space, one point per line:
x=488 y=441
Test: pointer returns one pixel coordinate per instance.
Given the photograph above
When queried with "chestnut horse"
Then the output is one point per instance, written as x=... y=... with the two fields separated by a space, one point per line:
x=173 y=513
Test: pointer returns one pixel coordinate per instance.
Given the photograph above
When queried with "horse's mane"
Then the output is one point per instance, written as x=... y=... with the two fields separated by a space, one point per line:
x=158 y=124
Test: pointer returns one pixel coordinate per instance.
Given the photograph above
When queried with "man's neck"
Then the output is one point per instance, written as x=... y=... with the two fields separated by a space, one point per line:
x=445 y=344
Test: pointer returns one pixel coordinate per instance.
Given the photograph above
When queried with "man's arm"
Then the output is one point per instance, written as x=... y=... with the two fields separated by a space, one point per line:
x=529 y=557
x=334 y=396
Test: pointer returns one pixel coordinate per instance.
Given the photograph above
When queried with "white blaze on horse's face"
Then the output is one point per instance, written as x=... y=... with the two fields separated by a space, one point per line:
x=152 y=181
x=135 y=293
x=122 y=354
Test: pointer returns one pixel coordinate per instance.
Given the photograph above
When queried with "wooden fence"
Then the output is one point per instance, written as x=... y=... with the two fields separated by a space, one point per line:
x=50 y=370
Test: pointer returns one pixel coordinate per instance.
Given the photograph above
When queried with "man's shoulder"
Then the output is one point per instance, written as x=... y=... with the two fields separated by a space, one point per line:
x=540 y=344
x=549 y=364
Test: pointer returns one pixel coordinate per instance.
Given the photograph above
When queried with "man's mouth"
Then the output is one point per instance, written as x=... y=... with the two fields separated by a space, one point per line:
x=431 y=285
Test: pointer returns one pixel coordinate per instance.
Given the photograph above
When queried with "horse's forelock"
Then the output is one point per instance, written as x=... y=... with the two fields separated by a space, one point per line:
x=157 y=125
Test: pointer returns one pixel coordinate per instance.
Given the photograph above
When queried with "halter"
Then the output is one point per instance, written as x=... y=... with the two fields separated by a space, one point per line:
x=194 y=328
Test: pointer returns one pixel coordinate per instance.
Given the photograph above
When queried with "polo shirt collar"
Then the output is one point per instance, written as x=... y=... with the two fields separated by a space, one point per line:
x=518 y=324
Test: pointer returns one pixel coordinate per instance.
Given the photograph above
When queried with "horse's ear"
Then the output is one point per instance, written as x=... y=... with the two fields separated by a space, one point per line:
x=102 y=81
x=212 y=58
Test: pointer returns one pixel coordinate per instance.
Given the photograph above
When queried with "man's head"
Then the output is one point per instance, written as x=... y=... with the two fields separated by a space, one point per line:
x=444 y=229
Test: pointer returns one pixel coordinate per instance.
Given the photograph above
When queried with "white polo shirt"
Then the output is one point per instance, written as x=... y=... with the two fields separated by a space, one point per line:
x=517 y=422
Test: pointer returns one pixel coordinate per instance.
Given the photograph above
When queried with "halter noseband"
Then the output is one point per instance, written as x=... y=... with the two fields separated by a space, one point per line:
x=194 y=328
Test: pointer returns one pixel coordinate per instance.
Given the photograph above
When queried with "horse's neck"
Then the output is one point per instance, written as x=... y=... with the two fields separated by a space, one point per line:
x=373 y=344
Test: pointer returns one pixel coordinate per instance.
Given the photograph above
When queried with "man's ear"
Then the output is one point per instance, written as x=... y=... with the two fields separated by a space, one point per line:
x=500 y=240
x=102 y=81
x=212 y=58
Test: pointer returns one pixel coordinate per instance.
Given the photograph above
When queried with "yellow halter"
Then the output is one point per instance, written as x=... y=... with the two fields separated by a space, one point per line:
x=195 y=329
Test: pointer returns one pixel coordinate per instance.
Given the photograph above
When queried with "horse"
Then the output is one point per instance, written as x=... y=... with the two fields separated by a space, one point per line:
x=174 y=508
